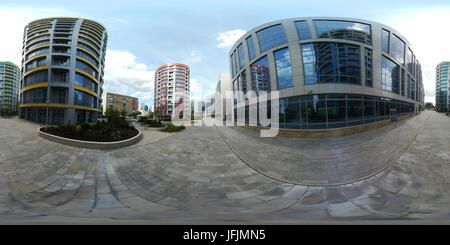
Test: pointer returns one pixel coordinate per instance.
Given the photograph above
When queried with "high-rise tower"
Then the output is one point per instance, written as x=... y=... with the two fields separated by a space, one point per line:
x=9 y=86
x=62 y=70
x=442 y=87
x=171 y=90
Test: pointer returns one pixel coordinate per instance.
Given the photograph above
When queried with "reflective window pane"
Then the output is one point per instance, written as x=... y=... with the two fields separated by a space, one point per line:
x=251 y=47
x=368 y=64
x=390 y=75
x=241 y=55
x=344 y=30
x=260 y=75
x=303 y=30
x=331 y=63
x=385 y=40
x=398 y=49
x=283 y=65
x=271 y=37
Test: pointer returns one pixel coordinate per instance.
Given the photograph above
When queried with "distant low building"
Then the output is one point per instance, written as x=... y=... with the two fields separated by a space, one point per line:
x=120 y=102
x=429 y=105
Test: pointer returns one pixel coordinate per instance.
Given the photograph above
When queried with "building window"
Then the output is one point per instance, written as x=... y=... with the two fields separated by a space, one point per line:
x=402 y=88
x=390 y=75
x=398 y=49
x=303 y=30
x=271 y=37
x=344 y=30
x=251 y=48
x=244 y=82
x=260 y=75
x=283 y=65
x=385 y=40
x=241 y=55
x=368 y=63
x=413 y=89
x=232 y=65
x=331 y=63
x=409 y=60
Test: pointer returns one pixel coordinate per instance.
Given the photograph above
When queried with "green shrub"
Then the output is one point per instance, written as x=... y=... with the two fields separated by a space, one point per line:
x=78 y=129
x=154 y=123
x=173 y=128
x=115 y=135
x=85 y=126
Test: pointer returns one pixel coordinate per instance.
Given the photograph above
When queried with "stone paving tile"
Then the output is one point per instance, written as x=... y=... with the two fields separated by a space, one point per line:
x=228 y=173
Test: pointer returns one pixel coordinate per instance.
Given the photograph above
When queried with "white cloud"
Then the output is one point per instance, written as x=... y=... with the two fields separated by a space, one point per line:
x=124 y=75
x=426 y=30
x=14 y=20
x=228 y=38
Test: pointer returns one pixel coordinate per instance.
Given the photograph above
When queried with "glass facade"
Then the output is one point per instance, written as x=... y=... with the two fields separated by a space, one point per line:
x=390 y=75
x=84 y=99
x=283 y=65
x=326 y=60
x=271 y=37
x=398 y=49
x=385 y=37
x=260 y=75
x=337 y=110
x=241 y=55
x=368 y=64
x=251 y=48
x=331 y=63
x=303 y=30
x=355 y=31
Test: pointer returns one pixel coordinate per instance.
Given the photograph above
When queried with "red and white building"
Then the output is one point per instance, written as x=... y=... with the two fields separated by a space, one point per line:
x=172 y=90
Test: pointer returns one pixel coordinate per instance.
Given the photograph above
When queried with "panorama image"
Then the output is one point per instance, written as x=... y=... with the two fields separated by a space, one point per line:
x=231 y=112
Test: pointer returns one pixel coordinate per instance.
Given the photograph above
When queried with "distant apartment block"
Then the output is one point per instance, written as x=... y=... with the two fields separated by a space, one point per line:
x=9 y=86
x=442 y=88
x=171 y=90
x=120 y=102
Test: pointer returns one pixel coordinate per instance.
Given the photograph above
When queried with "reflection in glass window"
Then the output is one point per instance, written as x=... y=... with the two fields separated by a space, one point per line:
x=344 y=30
x=402 y=88
x=303 y=30
x=390 y=75
x=260 y=75
x=368 y=63
x=271 y=37
x=283 y=64
x=241 y=55
x=413 y=89
x=398 y=49
x=385 y=40
x=235 y=63
x=244 y=82
x=331 y=63
x=251 y=47
x=409 y=60
x=233 y=72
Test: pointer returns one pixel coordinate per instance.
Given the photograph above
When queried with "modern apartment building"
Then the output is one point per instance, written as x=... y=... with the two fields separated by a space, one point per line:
x=120 y=102
x=330 y=72
x=9 y=86
x=63 y=63
x=171 y=94
x=442 y=86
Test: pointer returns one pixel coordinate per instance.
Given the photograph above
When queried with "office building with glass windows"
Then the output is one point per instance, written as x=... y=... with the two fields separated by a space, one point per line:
x=63 y=62
x=330 y=72
x=9 y=86
x=171 y=94
x=442 y=88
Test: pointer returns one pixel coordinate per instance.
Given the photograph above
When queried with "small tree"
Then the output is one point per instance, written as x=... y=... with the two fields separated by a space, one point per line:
x=111 y=113
x=123 y=113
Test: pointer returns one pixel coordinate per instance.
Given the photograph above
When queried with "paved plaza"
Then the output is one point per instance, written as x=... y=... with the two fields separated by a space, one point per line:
x=221 y=175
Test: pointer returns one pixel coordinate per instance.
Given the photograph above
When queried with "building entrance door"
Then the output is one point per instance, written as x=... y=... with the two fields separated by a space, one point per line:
x=393 y=115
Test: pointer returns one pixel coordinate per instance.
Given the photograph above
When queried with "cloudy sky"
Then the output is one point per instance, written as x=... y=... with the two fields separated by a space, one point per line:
x=144 y=35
